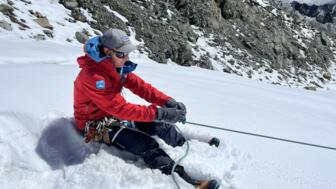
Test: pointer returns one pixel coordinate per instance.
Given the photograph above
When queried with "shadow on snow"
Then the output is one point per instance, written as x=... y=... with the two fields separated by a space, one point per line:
x=61 y=144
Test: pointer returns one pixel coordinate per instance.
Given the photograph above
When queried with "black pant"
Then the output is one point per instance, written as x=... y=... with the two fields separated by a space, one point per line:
x=139 y=142
x=166 y=132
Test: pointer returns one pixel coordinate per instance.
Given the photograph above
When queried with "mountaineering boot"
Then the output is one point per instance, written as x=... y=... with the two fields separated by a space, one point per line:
x=208 y=184
x=181 y=172
x=214 y=141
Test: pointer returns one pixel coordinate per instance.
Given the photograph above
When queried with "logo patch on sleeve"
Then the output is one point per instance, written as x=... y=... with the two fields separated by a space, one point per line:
x=100 y=84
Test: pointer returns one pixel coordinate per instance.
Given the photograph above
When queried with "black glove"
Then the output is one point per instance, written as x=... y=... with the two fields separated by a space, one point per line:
x=171 y=115
x=173 y=104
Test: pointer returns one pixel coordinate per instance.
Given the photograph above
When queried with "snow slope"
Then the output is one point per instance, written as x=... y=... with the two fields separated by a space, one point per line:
x=39 y=149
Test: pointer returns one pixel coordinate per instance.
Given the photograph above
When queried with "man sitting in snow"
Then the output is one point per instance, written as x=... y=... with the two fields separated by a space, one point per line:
x=102 y=113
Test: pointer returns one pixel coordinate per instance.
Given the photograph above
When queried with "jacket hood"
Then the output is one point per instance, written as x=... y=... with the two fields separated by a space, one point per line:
x=94 y=49
x=94 y=58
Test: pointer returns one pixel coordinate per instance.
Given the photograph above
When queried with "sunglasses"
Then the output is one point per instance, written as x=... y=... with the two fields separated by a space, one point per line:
x=119 y=54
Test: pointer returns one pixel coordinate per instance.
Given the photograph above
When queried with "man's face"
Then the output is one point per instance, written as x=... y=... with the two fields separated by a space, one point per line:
x=119 y=61
x=118 y=58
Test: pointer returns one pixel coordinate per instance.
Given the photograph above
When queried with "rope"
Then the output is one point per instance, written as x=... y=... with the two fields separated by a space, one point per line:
x=263 y=136
x=180 y=159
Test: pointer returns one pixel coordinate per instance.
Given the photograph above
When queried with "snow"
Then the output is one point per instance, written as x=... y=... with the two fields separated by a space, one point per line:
x=133 y=38
x=87 y=15
x=262 y=3
x=39 y=93
x=51 y=52
x=118 y=15
x=302 y=53
x=38 y=143
x=274 y=12
x=170 y=13
x=57 y=16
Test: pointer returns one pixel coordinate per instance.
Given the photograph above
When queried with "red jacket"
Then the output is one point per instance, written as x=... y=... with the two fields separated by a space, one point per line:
x=97 y=93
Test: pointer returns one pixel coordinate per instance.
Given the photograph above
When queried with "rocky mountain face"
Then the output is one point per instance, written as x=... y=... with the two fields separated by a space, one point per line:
x=251 y=38
x=323 y=13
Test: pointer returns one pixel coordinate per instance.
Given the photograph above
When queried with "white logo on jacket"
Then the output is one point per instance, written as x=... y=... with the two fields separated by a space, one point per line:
x=100 y=84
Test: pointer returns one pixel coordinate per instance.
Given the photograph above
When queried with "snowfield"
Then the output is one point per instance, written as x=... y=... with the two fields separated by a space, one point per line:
x=40 y=149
